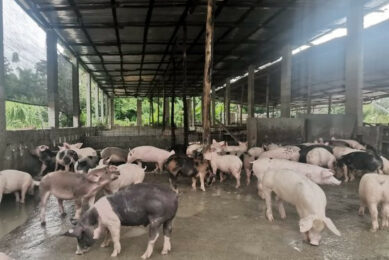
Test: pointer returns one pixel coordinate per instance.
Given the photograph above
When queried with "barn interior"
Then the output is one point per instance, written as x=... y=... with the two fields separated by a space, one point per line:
x=293 y=70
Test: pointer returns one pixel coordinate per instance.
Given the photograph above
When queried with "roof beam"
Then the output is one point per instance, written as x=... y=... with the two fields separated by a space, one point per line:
x=117 y=33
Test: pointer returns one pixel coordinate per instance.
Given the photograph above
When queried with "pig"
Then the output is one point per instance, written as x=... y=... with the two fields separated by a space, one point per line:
x=13 y=181
x=339 y=151
x=352 y=143
x=73 y=186
x=306 y=149
x=374 y=190
x=315 y=173
x=248 y=166
x=235 y=150
x=141 y=204
x=189 y=167
x=149 y=154
x=255 y=151
x=308 y=198
x=129 y=174
x=225 y=163
x=4 y=257
x=271 y=146
x=385 y=165
x=348 y=165
x=321 y=157
x=287 y=152
x=85 y=164
x=338 y=143
x=114 y=155
x=81 y=152
x=46 y=157
x=66 y=158
x=197 y=147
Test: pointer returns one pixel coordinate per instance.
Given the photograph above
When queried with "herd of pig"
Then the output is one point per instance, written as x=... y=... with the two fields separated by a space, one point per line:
x=292 y=172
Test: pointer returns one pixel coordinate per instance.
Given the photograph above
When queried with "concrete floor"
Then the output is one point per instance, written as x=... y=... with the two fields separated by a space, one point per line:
x=221 y=223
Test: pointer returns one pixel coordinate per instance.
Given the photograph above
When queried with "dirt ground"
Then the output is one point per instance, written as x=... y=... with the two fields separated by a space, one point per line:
x=221 y=223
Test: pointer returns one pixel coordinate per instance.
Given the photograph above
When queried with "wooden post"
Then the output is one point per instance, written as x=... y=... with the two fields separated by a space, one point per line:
x=138 y=112
x=227 y=103
x=208 y=71
x=89 y=102
x=76 y=93
x=194 y=110
x=250 y=92
x=267 y=95
x=2 y=92
x=329 y=104
x=172 y=125
x=52 y=78
x=164 y=109
x=112 y=112
x=101 y=105
x=241 y=107
x=152 y=110
x=185 y=103
x=96 y=103
x=286 y=81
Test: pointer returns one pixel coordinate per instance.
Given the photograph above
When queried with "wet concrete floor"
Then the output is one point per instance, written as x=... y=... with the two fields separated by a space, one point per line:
x=221 y=223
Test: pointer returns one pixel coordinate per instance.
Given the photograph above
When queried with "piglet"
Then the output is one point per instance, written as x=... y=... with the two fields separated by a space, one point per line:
x=286 y=152
x=73 y=186
x=255 y=151
x=149 y=154
x=141 y=204
x=46 y=157
x=374 y=190
x=114 y=155
x=352 y=143
x=129 y=174
x=13 y=181
x=67 y=159
x=237 y=150
x=308 y=197
x=81 y=152
x=321 y=157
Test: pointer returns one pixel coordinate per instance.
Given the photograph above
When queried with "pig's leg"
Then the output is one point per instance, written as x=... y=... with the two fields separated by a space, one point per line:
x=78 y=206
x=385 y=215
x=56 y=165
x=248 y=176
x=23 y=192
x=167 y=230
x=173 y=182
x=281 y=208
x=269 y=211
x=374 y=216
x=114 y=229
x=260 y=190
x=43 y=203
x=17 y=197
x=202 y=177
x=139 y=163
x=352 y=175
x=361 y=210
x=194 y=182
x=61 y=208
x=91 y=201
x=107 y=239
x=43 y=168
x=153 y=236
x=237 y=177
x=67 y=167
x=221 y=176
x=345 y=173
x=160 y=166
x=98 y=231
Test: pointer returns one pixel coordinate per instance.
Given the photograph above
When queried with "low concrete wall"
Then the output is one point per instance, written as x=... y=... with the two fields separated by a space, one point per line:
x=18 y=145
x=327 y=126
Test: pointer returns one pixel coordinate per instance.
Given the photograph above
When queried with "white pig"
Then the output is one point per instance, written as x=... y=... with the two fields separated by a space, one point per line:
x=81 y=152
x=352 y=143
x=373 y=190
x=225 y=163
x=149 y=154
x=13 y=181
x=271 y=146
x=237 y=150
x=255 y=151
x=308 y=197
x=129 y=174
x=385 y=165
x=339 y=151
x=287 y=152
x=321 y=157
x=315 y=173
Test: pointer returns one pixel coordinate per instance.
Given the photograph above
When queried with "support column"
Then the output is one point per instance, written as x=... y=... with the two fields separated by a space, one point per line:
x=152 y=111
x=111 y=113
x=227 y=103
x=329 y=104
x=213 y=104
x=139 y=112
x=286 y=79
x=172 y=124
x=89 y=102
x=250 y=92
x=241 y=107
x=267 y=95
x=190 y=113
x=194 y=110
x=184 y=100
x=209 y=38
x=52 y=78
x=158 y=110
x=96 y=103
x=2 y=92
x=354 y=61
x=102 y=106
x=76 y=94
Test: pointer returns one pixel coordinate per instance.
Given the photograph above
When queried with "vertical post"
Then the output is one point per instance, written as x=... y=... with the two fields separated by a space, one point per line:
x=309 y=69
x=111 y=112
x=194 y=110
x=227 y=104
x=329 y=104
x=209 y=37
x=152 y=110
x=96 y=103
x=213 y=104
x=164 y=109
x=241 y=107
x=101 y=106
x=138 y=112
x=52 y=78
x=250 y=92
x=190 y=113
x=354 y=61
x=185 y=103
x=286 y=79
x=172 y=125
x=2 y=92
x=267 y=95
x=76 y=93
x=89 y=102
x=158 y=109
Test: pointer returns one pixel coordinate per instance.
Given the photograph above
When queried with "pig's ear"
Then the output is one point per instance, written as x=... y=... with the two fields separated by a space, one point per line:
x=214 y=141
x=93 y=177
x=306 y=224
x=331 y=226
x=78 y=145
x=66 y=145
x=72 y=233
